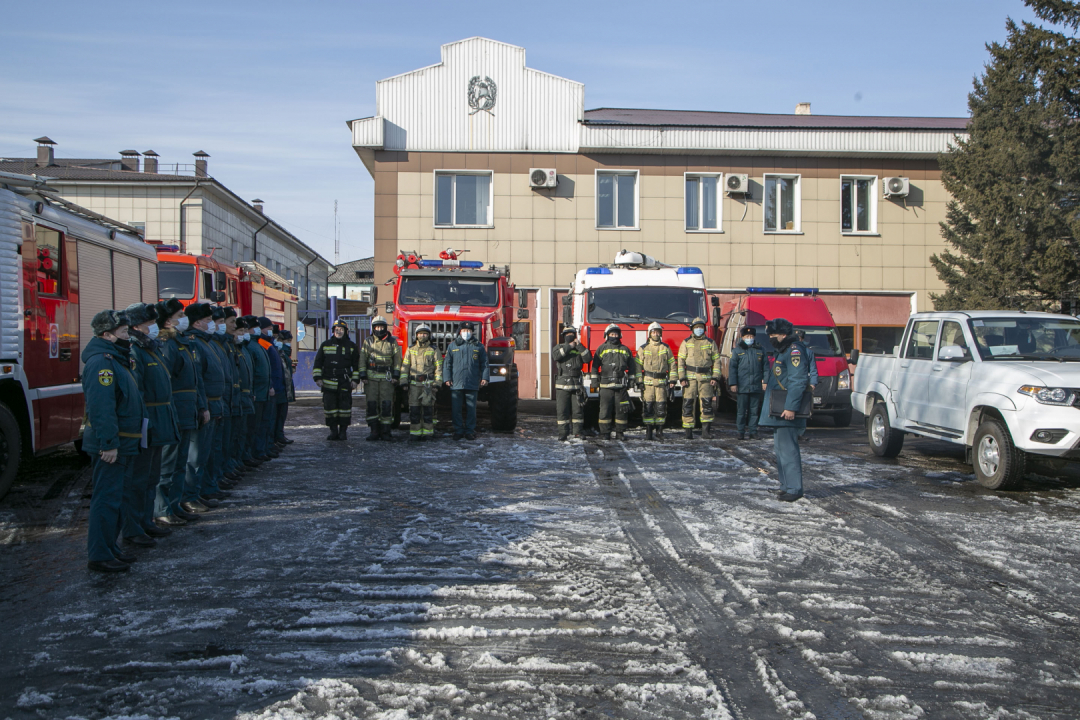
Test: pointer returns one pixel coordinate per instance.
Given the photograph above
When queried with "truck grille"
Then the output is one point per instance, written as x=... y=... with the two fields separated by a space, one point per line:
x=443 y=332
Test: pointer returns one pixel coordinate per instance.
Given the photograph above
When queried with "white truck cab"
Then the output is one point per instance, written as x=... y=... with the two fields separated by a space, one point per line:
x=1005 y=384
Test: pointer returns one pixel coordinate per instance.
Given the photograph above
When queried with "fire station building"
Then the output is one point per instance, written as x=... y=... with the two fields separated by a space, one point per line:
x=481 y=153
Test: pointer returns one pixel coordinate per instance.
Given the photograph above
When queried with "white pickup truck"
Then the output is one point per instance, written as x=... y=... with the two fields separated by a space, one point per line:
x=1003 y=384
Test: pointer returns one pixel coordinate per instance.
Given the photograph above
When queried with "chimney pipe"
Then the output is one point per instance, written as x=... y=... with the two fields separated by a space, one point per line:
x=150 y=163
x=44 y=151
x=258 y=206
x=802 y=109
x=200 y=164
x=129 y=160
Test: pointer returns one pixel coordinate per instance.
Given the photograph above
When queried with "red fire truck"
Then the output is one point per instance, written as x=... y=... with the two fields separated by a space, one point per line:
x=60 y=264
x=250 y=287
x=444 y=293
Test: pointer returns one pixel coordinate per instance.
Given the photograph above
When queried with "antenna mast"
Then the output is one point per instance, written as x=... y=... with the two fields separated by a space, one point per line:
x=337 y=238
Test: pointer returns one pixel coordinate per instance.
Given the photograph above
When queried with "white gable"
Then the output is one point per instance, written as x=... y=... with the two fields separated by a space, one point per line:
x=429 y=109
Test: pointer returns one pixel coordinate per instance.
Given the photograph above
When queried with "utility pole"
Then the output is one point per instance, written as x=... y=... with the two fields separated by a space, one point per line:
x=337 y=239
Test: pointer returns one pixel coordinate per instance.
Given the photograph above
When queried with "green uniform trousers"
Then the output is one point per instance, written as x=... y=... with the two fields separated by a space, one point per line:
x=380 y=401
x=654 y=404
x=337 y=406
x=421 y=409
x=698 y=393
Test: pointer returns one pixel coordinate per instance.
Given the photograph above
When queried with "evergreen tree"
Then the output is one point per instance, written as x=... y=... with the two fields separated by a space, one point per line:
x=1014 y=220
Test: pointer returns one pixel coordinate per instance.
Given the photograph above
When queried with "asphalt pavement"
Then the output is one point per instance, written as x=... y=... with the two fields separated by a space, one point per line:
x=520 y=577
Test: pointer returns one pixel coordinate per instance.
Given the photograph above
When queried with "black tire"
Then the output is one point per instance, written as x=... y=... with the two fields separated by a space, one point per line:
x=11 y=445
x=885 y=440
x=998 y=463
x=842 y=419
x=503 y=405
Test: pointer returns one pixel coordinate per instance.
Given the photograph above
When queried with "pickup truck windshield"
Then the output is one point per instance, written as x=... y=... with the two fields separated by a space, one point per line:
x=824 y=341
x=448 y=291
x=646 y=304
x=176 y=280
x=1032 y=338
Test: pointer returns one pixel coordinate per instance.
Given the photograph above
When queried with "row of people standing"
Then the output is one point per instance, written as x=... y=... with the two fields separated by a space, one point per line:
x=180 y=402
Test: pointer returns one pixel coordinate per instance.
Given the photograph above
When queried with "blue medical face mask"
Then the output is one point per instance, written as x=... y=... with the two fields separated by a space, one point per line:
x=748 y=340
x=183 y=324
x=466 y=335
x=699 y=331
x=256 y=332
x=247 y=337
x=211 y=328
x=278 y=344
x=153 y=331
x=221 y=328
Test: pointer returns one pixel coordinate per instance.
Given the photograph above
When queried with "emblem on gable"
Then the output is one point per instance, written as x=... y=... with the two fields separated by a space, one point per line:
x=482 y=94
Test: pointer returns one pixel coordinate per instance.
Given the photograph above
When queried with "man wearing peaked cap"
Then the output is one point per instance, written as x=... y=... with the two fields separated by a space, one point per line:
x=208 y=366
x=189 y=406
x=221 y=344
x=786 y=383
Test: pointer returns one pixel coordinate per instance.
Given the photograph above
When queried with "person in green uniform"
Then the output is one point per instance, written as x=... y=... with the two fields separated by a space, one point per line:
x=699 y=368
x=255 y=452
x=114 y=429
x=657 y=373
x=232 y=464
x=380 y=369
x=420 y=372
x=570 y=358
x=791 y=374
x=199 y=483
x=219 y=455
x=155 y=386
x=189 y=405
x=241 y=334
x=745 y=375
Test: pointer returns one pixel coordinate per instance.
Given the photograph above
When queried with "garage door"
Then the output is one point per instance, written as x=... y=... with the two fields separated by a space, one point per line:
x=128 y=280
x=95 y=288
x=149 y=281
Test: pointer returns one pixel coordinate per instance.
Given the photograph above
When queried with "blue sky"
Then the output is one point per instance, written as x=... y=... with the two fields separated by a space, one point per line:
x=266 y=88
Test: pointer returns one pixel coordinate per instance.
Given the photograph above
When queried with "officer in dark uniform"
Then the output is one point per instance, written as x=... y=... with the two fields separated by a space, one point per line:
x=612 y=372
x=336 y=370
x=114 y=422
x=219 y=455
x=290 y=385
x=189 y=405
x=229 y=450
x=276 y=393
x=255 y=452
x=241 y=336
x=208 y=367
x=155 y=386
x=746 y=372
x=570 y=357
x=790 y=372
x=282 y=409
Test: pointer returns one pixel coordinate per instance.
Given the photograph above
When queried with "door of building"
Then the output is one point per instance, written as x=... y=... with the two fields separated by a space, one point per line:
x=525 y=336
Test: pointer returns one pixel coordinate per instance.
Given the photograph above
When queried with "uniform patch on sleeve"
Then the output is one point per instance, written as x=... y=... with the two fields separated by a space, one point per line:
x=795 y=351
x=777 y=370
x=105 y=377
x=795 y=362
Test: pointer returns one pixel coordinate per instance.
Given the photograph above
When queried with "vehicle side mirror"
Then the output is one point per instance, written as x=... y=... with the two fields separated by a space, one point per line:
x=220 y=278
x=567 y=300
x=523 y=299
x=218 y=296
x=567 y=316
x=953 y=353
x=853 y=359
x=374 y=296
x=389 y=307
x=523 y=314
x=715 y=319
x=714 y=301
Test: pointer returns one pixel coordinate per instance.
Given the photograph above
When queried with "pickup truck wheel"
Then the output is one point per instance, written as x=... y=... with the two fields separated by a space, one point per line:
x=999 y=464
x=10 y=449
x=842 y=419
x=885 y=440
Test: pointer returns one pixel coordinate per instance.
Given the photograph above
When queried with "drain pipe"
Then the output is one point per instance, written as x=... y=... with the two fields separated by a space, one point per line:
x=183 y=239
x=307 y=285
x=255 y=241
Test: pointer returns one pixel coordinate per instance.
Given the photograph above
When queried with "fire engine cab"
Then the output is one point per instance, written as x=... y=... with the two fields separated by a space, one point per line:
x=445 y=292
x=60 y=264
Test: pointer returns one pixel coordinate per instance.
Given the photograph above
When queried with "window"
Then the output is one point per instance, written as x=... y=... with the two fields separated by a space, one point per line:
x=462 y=199
x=920 y=345
x=206 y=285
x=702 y=202
x=858 y=204
x=140 y=226
x=952 y=335
x=176 y=280
x=881 y=339
x=616 y=199
x=782 y=200
x=847 y=337
x=1033 y=338
x=666 y=305
x=49 y=261
x=824 y=341
x=448 y=290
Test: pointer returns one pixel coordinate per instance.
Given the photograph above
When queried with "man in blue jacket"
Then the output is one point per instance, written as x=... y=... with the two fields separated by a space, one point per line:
x=255 y=451
x=114 y=421
x=745 y=375
x=277 y=387
x=189 y=406
x=199 y=483
x=465 y=371
x=791 y=373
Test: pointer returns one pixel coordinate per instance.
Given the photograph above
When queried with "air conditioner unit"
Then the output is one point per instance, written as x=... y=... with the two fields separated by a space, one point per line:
x=543 y=178
x=737 y=184
x=896 y=187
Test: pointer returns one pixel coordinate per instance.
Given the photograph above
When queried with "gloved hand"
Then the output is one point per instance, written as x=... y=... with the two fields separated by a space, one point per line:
x=640 y=387
x=319 y=383
x=712 y=382
x=685 y=382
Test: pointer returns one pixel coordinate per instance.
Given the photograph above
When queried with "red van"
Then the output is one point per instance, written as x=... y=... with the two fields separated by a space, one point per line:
x=808 y=312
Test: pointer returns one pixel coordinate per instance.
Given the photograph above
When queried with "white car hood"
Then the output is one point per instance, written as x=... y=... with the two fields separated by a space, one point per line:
x=1049 y=374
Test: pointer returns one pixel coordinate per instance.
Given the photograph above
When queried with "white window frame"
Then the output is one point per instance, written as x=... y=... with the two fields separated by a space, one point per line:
x=453 y=200
x=873 y=205
x=701 y=204
x=797 y=230
x=615 y=211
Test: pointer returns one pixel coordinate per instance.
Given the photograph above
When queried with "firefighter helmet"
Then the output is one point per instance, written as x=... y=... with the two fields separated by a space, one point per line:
x=613 y=327
x=655 y=326
x=698 y=321
x=423 y=327
x=378 y=320
x=340 y=323
x=568 y=330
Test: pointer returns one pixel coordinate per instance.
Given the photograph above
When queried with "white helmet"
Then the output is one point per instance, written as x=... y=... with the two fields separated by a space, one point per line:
x=378 y=320
x=612 y=327
x=423 y=328
x=656 y=326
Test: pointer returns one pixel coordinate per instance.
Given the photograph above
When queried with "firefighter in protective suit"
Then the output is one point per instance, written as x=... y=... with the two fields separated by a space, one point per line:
x=380 y=369
x=336 y=370
x=420 y=372
x=699 y=367
x=570 y=357
x=612 y=371
x=656 y=375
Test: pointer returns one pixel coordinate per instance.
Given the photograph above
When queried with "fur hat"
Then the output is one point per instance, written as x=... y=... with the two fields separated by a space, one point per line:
x=198 y=311
x=166 y=309
x=139 y=313
x=108 y=321
x=748 y=330
x=241 y=323
x=779 y=326
x=230 y=312
x=265 y=322
x=217 y=312
x=286 y=335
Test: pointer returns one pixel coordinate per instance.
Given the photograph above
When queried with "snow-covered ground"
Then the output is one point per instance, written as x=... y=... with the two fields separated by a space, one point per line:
x=520 y=577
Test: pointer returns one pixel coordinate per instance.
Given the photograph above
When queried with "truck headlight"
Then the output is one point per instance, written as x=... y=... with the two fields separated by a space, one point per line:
x=1049 y=396
x=843 y=382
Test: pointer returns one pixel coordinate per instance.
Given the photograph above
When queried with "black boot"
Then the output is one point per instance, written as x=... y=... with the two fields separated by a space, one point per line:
x=659 y=433
x=689 y=433
x=706 y=431
x=648 y=432
x=564 y=432
x=375 y=431
x=385 y=434
x=333 y=431
x=577 y=430
x=619 y=435
x=342 y=427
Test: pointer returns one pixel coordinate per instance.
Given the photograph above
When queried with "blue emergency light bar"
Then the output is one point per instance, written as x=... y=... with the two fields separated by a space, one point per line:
x=167 y=248
x=598 y=271
x=688 y=271
x=781 y=291
x=453 y=263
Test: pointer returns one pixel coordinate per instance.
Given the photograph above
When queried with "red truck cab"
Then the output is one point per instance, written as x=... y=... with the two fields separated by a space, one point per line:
x=807 y=312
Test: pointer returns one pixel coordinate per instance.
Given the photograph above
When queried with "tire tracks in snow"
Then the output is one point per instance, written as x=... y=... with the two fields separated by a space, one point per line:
x=762 y=679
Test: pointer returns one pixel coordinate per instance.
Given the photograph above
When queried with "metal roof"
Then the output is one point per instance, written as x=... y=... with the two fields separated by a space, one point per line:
x=72 y=169
x=347 y=272
x=701 y=118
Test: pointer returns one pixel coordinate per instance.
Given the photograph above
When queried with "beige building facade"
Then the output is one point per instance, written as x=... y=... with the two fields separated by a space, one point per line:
x=848 y=205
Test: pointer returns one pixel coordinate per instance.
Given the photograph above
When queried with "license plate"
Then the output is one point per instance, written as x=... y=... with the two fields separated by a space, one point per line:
x=819 y=401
